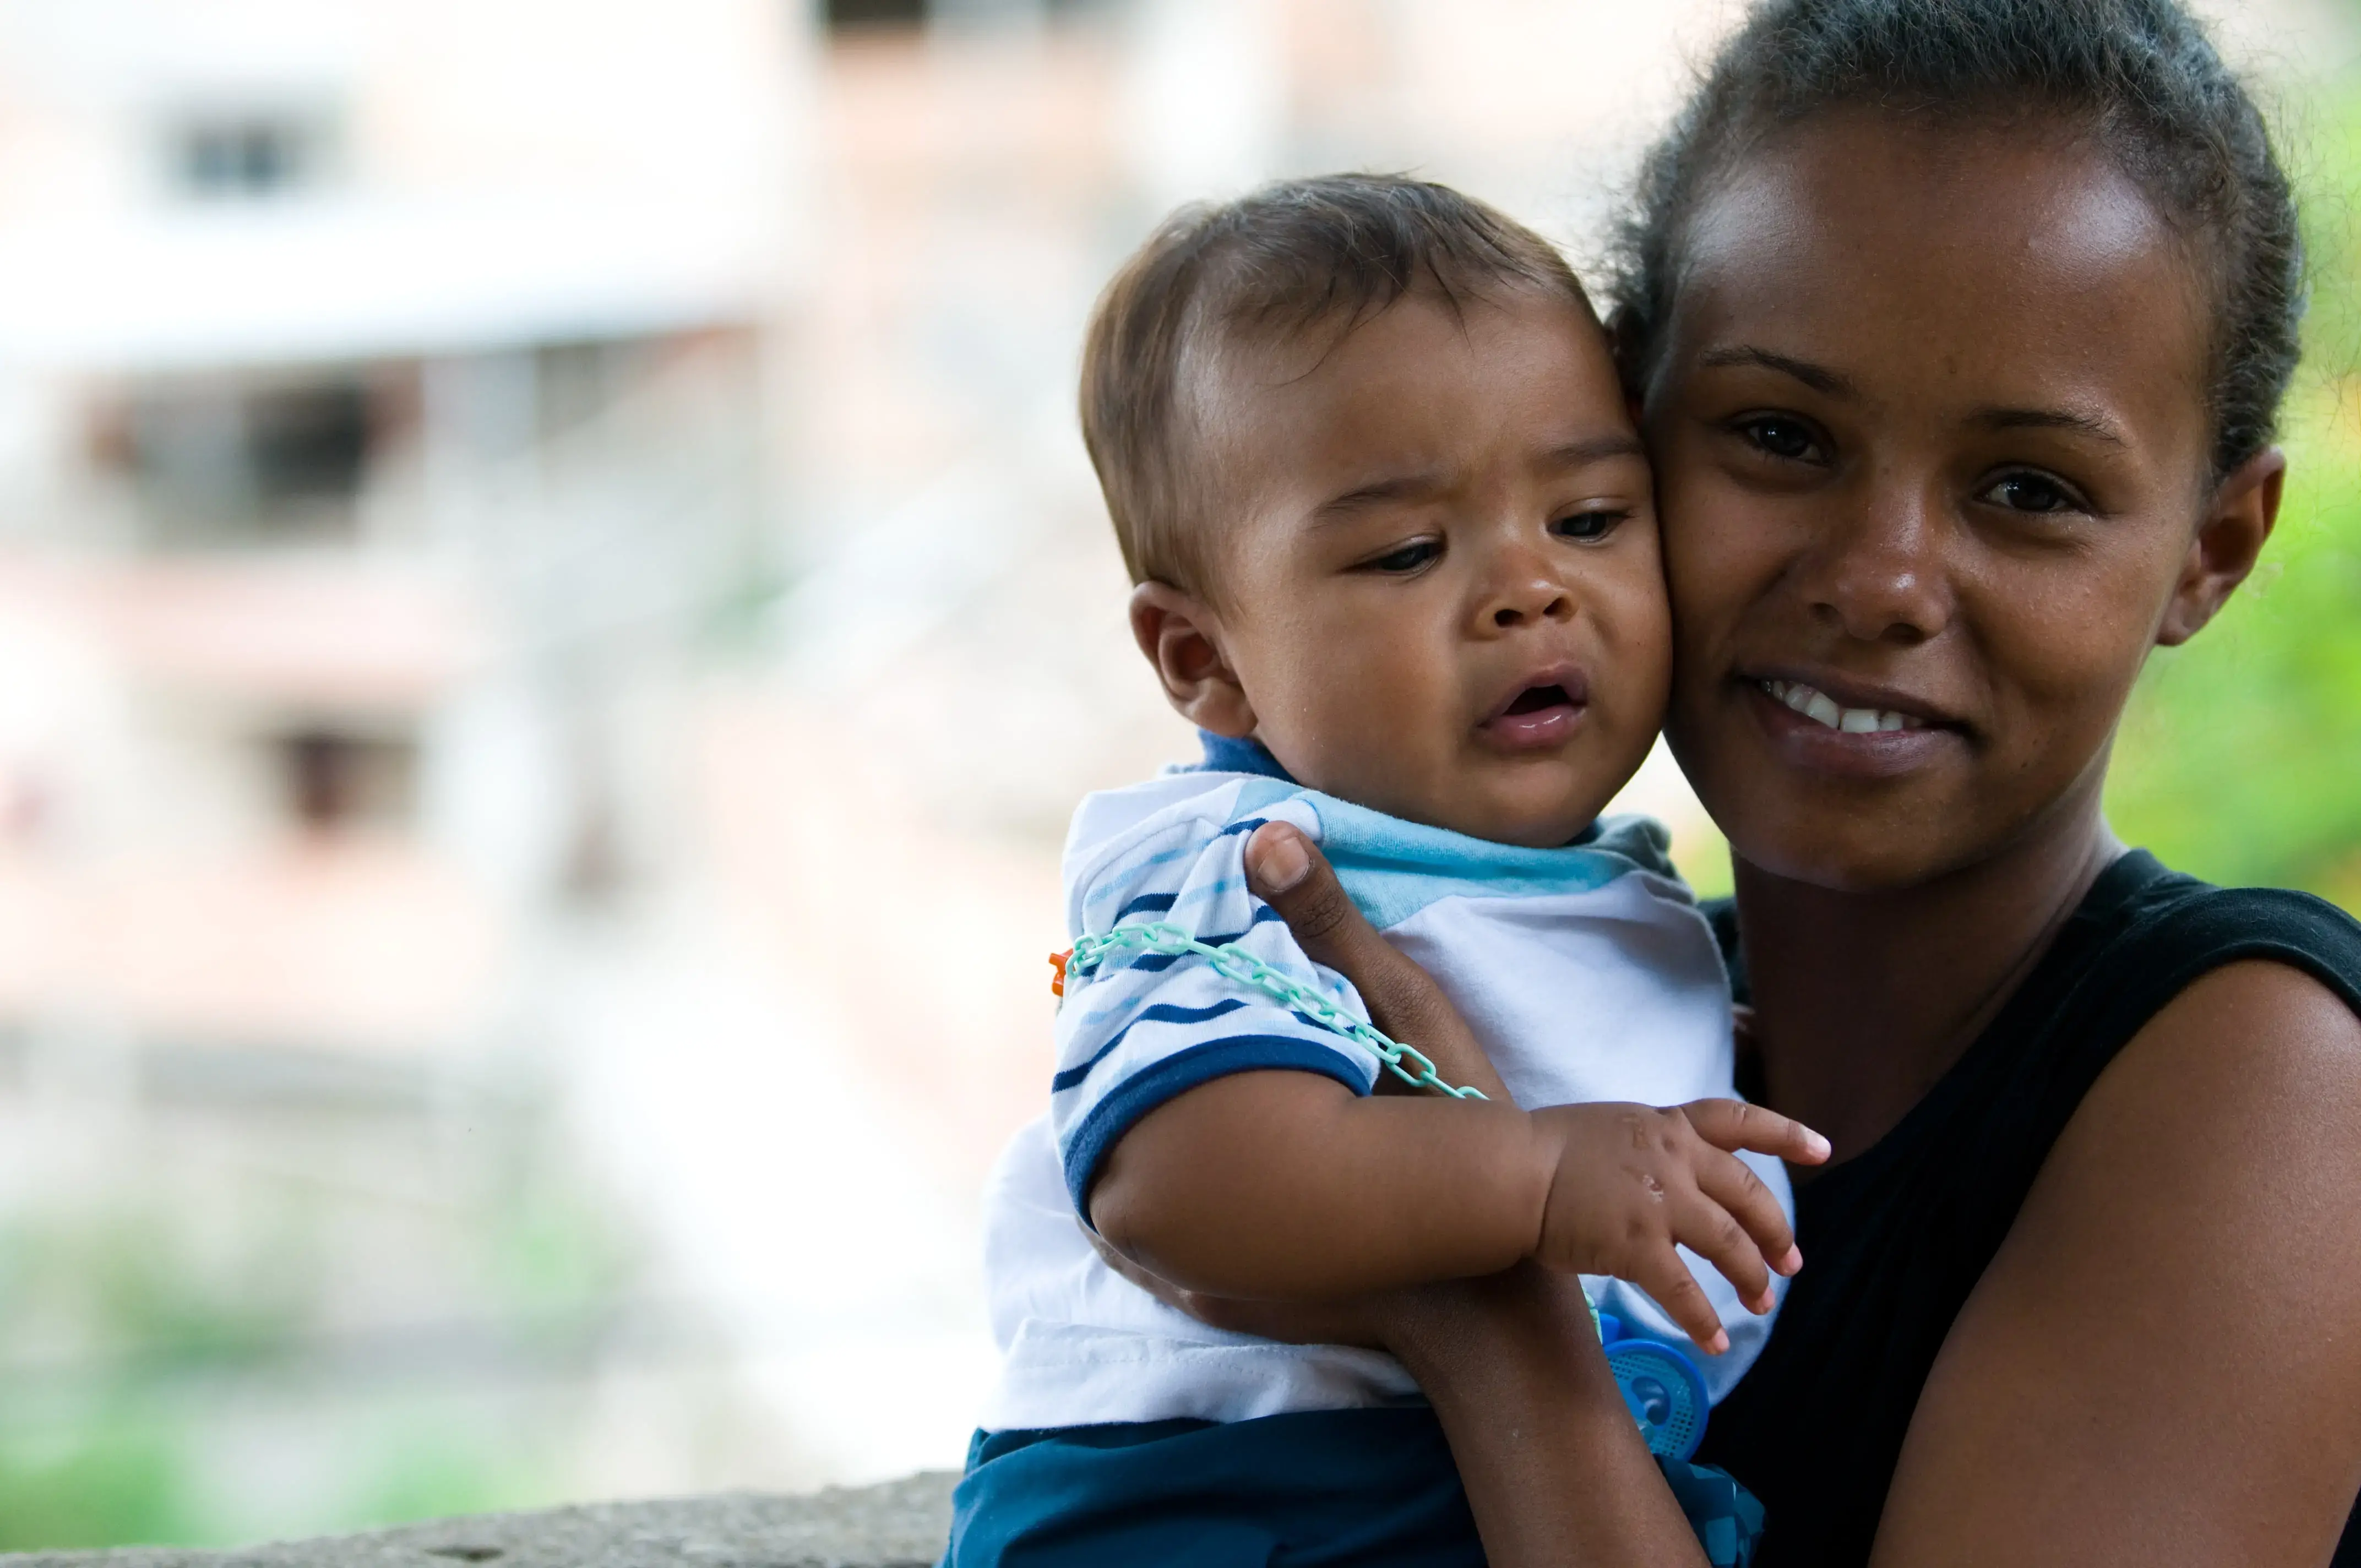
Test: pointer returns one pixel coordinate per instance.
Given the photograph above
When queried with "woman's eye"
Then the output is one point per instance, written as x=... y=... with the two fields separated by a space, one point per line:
x=1779 y=436
x=1595 y=524
x=1408 y=558
x=2032 y=493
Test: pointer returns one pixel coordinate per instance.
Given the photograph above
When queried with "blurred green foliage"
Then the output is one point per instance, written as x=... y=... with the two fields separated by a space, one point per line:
x=161 y=1359
x=2240 y=759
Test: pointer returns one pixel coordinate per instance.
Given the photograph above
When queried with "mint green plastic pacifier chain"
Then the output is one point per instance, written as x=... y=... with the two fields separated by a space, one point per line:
x=1232 y=962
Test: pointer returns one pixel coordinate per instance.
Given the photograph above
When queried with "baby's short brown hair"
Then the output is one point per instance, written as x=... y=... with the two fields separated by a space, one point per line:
x=1290 y=257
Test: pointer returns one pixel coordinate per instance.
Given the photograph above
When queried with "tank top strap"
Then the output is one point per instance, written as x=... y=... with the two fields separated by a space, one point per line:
x=2148 y=935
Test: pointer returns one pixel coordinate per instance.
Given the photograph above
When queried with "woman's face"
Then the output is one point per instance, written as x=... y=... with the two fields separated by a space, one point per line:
x=1932 y=460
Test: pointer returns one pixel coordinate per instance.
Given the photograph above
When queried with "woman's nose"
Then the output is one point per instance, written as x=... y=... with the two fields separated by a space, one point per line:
x=1880 y=575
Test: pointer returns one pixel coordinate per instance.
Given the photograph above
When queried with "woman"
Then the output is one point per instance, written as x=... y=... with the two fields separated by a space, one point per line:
x=1957 y=328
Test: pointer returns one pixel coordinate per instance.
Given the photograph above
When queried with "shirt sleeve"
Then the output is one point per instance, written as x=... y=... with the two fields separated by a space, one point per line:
x=1144 y=1028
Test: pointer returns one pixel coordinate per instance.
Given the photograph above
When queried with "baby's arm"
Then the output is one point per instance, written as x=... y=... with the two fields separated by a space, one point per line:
x=1287 y=1185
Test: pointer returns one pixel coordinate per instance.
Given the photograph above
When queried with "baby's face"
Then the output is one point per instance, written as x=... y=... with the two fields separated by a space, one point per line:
x=1439 y=587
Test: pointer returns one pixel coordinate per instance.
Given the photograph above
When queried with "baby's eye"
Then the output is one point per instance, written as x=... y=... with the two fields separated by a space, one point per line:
x=1407 y=558
x=1778 y=435
x=1596 y=523
x=2032 y=491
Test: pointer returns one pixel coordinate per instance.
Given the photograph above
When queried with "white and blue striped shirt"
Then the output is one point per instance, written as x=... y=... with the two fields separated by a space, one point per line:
x=1586 y=973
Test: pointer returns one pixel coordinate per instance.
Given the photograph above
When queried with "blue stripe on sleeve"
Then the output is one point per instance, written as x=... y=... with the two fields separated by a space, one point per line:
x=1153 y=963
x=1144 y=1091
x=1146 y=903
x=1162 y=1012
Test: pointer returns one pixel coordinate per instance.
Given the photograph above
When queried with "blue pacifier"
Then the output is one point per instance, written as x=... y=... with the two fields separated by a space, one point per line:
x=1663 y=1387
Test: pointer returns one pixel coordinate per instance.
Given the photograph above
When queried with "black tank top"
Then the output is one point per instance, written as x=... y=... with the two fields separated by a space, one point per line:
x=1898 y=1235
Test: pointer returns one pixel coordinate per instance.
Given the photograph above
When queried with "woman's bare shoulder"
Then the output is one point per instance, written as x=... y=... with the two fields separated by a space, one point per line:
x=2163 y=1363
x=2254 y=1050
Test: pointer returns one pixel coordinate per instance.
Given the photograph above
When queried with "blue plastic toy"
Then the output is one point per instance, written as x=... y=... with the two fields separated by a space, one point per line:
x=1664 y=1389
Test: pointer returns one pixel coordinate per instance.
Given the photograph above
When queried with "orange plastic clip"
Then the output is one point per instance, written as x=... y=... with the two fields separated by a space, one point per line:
x=1057 y=980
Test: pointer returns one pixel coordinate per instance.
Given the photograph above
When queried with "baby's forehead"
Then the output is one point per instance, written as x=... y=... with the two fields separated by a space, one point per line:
x=1427 y=371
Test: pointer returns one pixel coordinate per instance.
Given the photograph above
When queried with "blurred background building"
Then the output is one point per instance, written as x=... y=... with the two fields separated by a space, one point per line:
x=551 y=614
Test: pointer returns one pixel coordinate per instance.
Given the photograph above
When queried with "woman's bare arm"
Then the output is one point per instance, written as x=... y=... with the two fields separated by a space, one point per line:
x=1557 y=1473
x=2163 y=1364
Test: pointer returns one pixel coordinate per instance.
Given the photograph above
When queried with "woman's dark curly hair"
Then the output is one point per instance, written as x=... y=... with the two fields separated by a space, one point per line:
x=2141 y=74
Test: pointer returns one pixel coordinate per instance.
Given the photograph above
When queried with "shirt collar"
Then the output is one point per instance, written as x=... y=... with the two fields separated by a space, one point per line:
x=1224 y=755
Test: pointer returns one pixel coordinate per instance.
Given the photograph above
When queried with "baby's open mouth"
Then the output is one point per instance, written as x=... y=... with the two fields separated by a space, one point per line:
x=1535 y=699
x=1542 y=714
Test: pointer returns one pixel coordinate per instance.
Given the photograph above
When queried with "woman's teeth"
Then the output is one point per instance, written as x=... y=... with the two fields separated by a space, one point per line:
x=1821 y=709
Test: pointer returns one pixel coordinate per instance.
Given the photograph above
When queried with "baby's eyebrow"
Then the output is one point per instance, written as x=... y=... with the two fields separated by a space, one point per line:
x=1419 y=485
x=1377 y=492
x=1596 y=449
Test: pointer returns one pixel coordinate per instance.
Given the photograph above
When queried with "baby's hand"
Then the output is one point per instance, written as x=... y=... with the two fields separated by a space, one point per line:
x=1632 y=1180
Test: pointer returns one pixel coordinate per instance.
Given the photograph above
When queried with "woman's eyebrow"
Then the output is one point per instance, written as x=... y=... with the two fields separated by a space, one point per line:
x=2092 y=425
x=1819 y=377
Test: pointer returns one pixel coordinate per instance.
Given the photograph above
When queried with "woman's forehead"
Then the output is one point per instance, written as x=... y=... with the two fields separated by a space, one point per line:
x=1949 y=263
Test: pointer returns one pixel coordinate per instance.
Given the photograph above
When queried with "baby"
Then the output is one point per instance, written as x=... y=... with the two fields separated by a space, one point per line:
x=1378 y=486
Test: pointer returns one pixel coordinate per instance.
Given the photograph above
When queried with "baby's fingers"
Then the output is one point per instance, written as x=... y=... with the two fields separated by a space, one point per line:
x=1733 y=1124
x=1745 y=1199
x=1662 y=1275
x=1707 y=1228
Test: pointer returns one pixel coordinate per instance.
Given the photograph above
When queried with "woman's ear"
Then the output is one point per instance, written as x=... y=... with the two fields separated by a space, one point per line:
x=2238 y=520
x=1182 y=638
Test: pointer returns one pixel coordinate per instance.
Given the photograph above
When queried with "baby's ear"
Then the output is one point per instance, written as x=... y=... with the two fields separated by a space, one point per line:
x=1183 y=639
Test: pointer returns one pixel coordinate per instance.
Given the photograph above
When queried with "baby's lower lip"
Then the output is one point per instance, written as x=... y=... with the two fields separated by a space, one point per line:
x=1535 y=729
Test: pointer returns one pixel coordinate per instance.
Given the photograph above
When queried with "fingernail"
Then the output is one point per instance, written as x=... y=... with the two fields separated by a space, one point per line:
x=1278 y=859
x=1792 y=1262
x=1720 y=1343
x=1764 y=1305
x=1819 y=1147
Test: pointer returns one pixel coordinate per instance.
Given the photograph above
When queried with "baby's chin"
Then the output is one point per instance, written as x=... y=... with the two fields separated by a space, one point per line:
x=1532 y=818
x=1535 y=801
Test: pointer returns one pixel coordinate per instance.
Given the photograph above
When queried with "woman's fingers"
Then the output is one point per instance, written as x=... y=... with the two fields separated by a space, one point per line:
x=1288 y=872
x=1742 y=1198
x=1733 y=1124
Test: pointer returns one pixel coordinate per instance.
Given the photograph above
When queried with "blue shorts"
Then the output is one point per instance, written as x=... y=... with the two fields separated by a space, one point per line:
x=1373 y=1488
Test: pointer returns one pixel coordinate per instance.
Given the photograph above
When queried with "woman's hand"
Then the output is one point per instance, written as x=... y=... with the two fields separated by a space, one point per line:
x=1287 y=872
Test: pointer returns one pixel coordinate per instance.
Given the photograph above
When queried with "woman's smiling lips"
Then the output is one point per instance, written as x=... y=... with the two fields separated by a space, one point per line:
x=1542 y=712
x=1831 y=725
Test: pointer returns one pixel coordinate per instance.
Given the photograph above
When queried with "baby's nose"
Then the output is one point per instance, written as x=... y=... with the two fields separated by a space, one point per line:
x=1538 y=599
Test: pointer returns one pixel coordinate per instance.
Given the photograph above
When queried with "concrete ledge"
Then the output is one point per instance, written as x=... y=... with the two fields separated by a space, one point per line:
x=902 y=1524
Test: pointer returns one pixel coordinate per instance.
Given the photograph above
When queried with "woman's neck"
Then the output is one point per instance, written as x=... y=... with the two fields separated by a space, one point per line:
x=1863 y=1000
